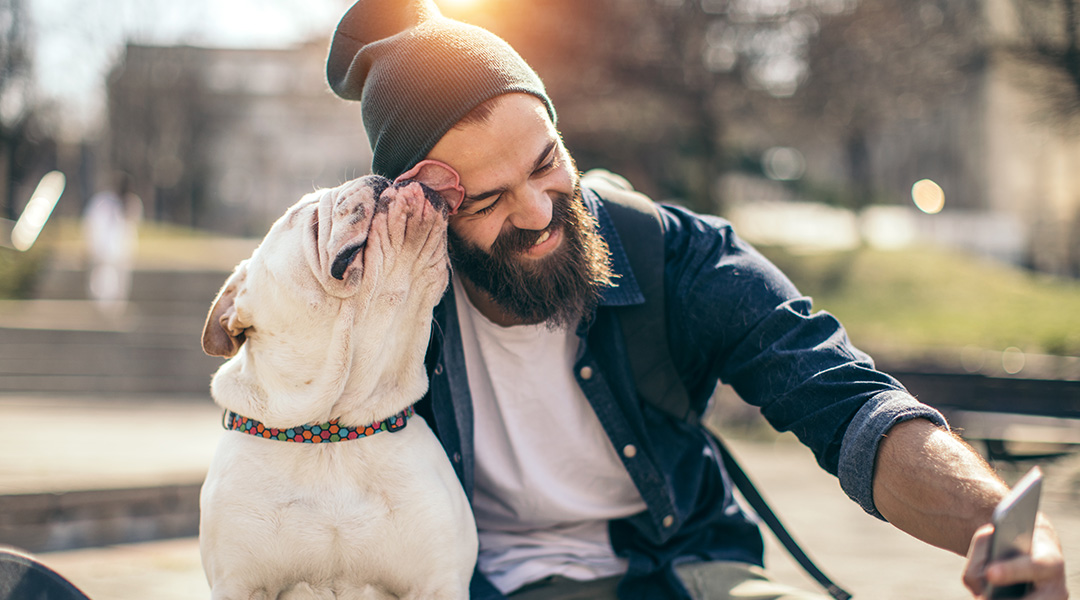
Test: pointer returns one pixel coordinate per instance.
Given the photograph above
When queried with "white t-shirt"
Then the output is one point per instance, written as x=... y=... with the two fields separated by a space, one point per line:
x=547 y=477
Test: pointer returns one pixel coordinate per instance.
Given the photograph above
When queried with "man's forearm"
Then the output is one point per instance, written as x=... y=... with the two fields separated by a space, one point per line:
x=932 y=485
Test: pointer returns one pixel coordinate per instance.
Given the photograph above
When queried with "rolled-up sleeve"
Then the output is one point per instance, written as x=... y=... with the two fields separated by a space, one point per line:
x=864 y=435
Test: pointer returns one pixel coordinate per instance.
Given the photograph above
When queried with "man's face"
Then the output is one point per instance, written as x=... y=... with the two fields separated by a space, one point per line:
x=522 y=235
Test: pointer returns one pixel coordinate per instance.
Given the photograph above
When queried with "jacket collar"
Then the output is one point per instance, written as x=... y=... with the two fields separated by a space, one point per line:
x=625 y=291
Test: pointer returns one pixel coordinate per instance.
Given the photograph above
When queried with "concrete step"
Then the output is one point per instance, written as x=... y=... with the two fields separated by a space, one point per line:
x=199 y=286
x=114 y=385
x=109 y=361
x=60 y=341
x=182 y=318
x=105 y=361
x=47 y=522
x=91 y=471
x=71 y=346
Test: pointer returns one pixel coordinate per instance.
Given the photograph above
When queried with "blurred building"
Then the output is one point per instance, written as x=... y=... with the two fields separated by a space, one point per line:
x=1032 y=155
x=1009 y=168
x=967 y=113
x=226 y=139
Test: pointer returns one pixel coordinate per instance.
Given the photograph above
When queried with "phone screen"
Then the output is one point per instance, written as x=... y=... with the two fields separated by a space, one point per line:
x=1014 y=526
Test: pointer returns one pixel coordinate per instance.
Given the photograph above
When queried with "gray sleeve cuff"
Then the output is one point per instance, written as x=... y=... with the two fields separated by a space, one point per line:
x=859 y=450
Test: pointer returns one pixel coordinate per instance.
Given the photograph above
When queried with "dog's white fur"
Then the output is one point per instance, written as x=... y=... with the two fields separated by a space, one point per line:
x=382 y=516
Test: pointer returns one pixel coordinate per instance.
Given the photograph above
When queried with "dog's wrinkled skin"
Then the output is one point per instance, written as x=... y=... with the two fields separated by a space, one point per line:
x=317 y=330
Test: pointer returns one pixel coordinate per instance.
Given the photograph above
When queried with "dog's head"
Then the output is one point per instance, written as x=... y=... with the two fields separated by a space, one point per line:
x=313 y=259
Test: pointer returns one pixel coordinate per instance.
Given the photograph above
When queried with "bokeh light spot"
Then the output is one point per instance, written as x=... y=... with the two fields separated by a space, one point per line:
x=1012 y=360
x=783 y=164
x=928 y=196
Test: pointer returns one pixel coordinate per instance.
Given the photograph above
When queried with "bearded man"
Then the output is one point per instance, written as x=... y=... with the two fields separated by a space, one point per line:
x=580 y=489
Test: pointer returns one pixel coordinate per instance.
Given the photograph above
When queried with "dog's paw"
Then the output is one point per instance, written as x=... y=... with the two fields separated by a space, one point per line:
x=414 y=226
x=406 y=248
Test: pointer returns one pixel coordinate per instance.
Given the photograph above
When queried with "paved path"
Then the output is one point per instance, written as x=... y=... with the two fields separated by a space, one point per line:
x=50 y=444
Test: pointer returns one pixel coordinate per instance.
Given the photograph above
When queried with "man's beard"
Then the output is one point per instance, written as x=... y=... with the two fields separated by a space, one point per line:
x=557 y=289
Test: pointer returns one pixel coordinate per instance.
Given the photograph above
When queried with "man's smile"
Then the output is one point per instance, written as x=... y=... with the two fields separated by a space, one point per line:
x=547 y=241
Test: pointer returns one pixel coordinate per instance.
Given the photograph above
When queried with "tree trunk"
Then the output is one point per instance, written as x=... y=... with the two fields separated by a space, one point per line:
x=859 y=168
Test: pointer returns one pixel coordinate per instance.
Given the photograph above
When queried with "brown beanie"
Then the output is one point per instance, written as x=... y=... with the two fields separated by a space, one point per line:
x=416 y=73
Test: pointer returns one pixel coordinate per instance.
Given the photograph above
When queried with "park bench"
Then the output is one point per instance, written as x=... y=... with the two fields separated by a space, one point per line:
x=1004 y=412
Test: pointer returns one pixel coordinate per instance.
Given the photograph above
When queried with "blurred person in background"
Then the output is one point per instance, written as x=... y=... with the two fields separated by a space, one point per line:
x=580 y=489
x=110 y=231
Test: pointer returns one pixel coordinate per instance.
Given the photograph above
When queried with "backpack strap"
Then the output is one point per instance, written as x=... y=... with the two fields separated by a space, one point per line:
x=643 y=325
x=644 y=328
x=761 y=507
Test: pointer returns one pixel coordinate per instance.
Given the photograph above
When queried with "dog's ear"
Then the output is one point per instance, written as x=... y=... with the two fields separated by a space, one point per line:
x=440 y=177
x=223 y=333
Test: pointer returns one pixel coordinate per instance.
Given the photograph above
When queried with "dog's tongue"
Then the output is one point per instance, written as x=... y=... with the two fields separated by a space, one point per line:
x=440 y=177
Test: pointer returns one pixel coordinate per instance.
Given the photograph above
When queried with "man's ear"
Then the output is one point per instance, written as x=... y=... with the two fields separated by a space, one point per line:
x=440 y=177
x=223 y=333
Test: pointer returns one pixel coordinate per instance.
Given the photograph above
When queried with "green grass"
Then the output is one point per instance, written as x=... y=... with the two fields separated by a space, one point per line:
x=922 y=298
x=911 y=299
x=19 y=271
x=160 y=246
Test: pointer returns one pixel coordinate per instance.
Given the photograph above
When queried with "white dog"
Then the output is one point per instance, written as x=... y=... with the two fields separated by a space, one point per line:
x=325 y=328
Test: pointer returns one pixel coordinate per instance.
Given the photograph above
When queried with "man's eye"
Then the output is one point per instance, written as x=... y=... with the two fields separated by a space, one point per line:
x=487 y=209
x=547 y=167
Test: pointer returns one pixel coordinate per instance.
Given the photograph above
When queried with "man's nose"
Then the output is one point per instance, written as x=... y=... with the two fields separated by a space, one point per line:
x=532 y=209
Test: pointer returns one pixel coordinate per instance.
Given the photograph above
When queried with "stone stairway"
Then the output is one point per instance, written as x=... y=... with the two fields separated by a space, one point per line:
x=106 y=421
x=60 y=342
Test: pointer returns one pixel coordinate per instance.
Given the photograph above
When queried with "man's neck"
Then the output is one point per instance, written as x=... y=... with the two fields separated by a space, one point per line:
x=488 y=307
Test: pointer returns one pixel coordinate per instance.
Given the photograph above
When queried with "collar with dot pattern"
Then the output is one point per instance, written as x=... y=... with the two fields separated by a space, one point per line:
x=315 y=434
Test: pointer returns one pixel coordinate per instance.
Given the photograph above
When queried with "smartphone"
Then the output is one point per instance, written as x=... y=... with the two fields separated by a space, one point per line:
x=1014 y=526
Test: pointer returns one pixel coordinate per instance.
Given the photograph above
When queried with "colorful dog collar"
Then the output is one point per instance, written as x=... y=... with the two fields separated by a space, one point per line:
x=315 y=434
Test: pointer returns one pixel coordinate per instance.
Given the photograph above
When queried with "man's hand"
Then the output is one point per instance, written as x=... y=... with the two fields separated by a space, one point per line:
x=932 y=485
x=1045 y=567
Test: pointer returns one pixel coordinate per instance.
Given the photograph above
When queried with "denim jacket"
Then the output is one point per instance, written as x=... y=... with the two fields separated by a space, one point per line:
x=732 y=317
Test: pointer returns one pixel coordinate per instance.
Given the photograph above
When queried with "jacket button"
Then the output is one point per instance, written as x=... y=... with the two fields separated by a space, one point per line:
x=457 y=457
x=668 y=521
x=629 y=451
x=585 y=372
x=438 y=369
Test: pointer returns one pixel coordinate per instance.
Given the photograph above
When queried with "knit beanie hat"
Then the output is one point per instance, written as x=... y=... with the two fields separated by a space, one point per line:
x=416 y=73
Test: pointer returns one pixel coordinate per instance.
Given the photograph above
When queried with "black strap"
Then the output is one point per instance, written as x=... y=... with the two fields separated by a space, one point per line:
x=761 y=507
x=643 y=326
x=645 y=331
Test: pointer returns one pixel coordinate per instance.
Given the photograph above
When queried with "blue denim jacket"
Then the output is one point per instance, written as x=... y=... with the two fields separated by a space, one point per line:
x=733 y=317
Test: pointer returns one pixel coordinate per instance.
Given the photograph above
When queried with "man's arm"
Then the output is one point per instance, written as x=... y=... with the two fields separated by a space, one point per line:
x=932 y=485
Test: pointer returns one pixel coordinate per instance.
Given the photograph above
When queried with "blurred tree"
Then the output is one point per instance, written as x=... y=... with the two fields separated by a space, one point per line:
x=159 y=130
x=878 y=61
x=1048 y=47
x=23 y=144
x=644 y=87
